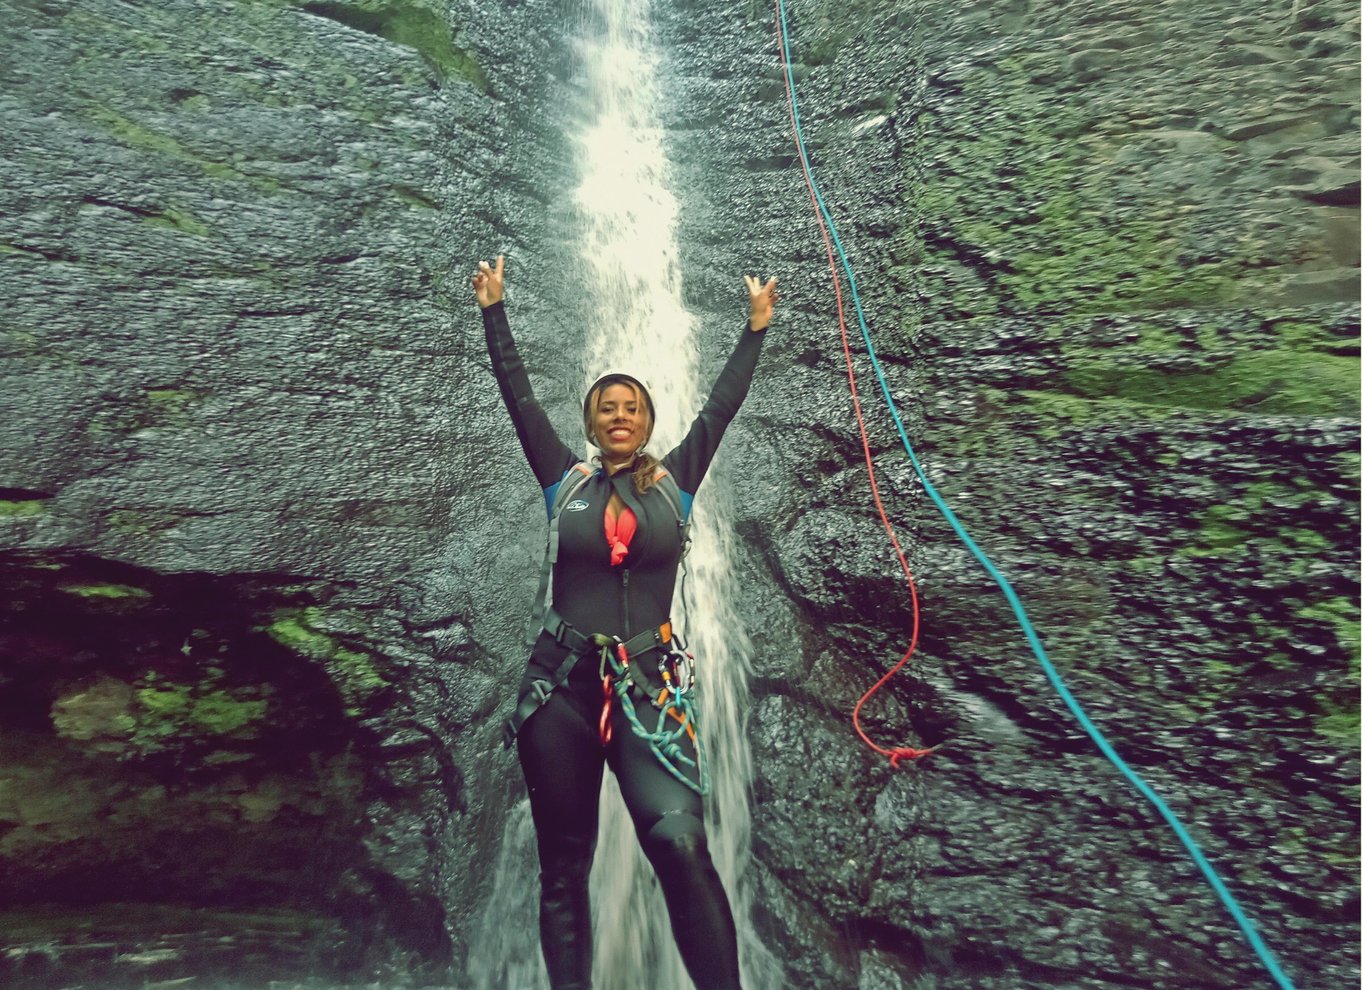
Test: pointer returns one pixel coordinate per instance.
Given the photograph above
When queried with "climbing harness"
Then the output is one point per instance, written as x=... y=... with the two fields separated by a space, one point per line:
x=624 y=678
x=578 y=646
x=1231 y=905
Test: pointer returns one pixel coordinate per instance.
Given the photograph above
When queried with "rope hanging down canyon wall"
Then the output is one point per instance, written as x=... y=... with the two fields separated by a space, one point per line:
x=831 y=237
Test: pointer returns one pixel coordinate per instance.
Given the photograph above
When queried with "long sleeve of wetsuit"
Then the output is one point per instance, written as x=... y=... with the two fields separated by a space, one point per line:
x=690 y=460
x=549 y=457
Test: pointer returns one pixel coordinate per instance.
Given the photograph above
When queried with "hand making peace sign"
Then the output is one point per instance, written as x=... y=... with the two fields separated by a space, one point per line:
x=490 y=285
x=764 y=298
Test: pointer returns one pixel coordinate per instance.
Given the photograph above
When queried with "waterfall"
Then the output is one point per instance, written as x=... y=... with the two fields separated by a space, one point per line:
x=640 y=325
x=627 y=216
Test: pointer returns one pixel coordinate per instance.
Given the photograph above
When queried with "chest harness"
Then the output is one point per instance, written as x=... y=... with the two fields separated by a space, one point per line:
x=670 y=692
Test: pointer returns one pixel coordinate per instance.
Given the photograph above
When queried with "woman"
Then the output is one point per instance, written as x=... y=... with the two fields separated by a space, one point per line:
x=618 y=549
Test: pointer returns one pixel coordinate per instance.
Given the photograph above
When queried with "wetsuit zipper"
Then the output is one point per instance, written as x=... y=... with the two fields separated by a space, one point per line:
x=624 y=578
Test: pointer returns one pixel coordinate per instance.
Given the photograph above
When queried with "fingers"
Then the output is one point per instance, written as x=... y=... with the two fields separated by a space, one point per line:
x=488 y=281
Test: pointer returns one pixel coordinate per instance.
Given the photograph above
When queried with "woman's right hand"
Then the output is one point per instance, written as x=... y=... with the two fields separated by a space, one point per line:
x=490 y=284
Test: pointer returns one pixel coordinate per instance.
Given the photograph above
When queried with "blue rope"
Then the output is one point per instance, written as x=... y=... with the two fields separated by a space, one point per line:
x=666 y=746
x=1226 y=898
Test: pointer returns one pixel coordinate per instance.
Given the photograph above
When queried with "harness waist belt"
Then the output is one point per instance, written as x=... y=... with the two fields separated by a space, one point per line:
x=578 y=646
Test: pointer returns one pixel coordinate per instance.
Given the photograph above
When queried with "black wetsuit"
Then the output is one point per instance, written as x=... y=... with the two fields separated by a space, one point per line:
x=559 y=746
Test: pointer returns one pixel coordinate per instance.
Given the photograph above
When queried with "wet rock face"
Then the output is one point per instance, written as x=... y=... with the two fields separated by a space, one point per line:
x=1109 y=256
x=252 y=485
x=233 y=494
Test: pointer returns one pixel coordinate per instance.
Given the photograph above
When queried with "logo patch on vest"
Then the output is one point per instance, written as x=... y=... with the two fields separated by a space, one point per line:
x=576 y=505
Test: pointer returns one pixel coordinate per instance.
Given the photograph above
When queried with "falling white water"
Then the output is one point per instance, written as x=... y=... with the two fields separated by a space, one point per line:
x=504 y=951
x=628 y=214
x=640 y=325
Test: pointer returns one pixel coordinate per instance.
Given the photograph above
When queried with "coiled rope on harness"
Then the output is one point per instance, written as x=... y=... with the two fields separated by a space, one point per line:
x=1227 y=899
x=621 y=677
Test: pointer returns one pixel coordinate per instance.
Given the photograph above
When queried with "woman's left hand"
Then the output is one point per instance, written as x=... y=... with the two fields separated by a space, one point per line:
x=764 y=299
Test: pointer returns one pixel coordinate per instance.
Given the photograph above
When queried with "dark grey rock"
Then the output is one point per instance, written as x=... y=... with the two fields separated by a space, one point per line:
x=250 y=474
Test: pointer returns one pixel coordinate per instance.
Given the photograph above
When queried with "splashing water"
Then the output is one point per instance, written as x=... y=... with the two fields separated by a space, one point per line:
x=629 y=252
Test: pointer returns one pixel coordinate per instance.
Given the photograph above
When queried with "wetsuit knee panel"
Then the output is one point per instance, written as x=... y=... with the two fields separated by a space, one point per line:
x=677 y=834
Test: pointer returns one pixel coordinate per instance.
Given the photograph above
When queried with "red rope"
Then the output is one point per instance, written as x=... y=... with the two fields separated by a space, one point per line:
x=897 y=753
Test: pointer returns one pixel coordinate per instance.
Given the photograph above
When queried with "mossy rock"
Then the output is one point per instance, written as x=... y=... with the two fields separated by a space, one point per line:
x=21 y=508
x=1300 y=383
x=351 y=670
x=413 y=25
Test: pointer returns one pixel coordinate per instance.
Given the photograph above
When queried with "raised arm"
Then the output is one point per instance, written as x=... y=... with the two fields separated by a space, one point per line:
x=549 y=457
x=691 y=458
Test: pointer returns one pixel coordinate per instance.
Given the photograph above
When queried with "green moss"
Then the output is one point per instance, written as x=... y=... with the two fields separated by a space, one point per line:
x=409 y=23
x=1039 y=205
x=21 y=508
x=134 y=135
x=356 y=677
x=352 y=671
x=1300 y=538
x=1031 y=416
x=293 y=633
x=178 y=220
x=171 y=715
x=137 y=136
x=219 y=713
x=1276 y=382
x=1273 y=494
x=1222 y=528
x=1342 y=615
x=1082 y=265
x=1298 y=333
x=109 y=591
x=1061 y=408
x=1350 y=466
x=1341 y=725
x=1258 y=515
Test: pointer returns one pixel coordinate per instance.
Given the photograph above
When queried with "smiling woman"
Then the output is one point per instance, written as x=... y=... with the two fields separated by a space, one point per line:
x=615 y=551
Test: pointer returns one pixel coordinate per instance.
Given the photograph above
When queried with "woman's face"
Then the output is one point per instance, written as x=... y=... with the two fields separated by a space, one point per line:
x=620 y=422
